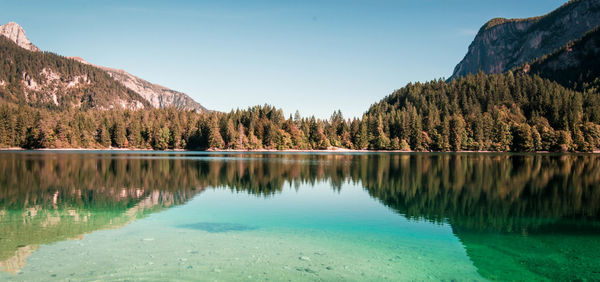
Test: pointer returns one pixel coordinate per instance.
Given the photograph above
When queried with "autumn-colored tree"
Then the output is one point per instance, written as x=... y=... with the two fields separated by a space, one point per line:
x=215 y=141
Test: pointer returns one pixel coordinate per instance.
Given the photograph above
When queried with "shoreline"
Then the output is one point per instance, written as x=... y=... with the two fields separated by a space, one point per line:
x=335 y=150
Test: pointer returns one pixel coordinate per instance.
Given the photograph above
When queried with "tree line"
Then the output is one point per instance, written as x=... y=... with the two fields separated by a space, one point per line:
x=504 y=112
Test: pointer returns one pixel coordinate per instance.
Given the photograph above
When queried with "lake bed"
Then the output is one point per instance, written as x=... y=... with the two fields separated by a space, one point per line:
x=298 y=216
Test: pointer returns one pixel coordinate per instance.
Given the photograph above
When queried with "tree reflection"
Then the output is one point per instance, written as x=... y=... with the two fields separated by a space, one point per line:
x=477 y=190
x=62 y=196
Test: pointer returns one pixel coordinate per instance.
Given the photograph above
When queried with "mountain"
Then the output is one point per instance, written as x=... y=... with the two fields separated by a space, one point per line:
x=502 y=44
x=575 y=65
x=48 y=80
x=15 y=32
x=158 y=96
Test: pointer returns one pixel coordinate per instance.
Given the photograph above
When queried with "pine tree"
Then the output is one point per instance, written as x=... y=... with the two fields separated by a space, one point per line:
x=175 y=140
x=242 y=140
x=380 y=140
x=404 y=146
x=230 y=137
x=564 y=141
x=215 y=141
x=162 y=138
x=134 y=135
x=119 y=134
x=103 y=134
x=537 y=139
x=457 y=133
x=360 y=133
x=522 y=140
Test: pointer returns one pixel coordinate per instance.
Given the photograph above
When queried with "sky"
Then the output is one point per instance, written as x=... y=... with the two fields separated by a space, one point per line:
x=311 y=56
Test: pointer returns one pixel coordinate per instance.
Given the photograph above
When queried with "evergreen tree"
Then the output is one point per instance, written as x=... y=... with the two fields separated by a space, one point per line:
x=119 y=134
x=103 y=134
x=215 y=141
x=242 y=140
x=230 y=136
x=457 y=132
x=162 y=138
x=134 y=135
x=522 y=140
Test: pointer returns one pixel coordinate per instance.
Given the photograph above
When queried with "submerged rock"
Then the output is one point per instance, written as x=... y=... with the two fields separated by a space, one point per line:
x=307 y=270
x=217 y=227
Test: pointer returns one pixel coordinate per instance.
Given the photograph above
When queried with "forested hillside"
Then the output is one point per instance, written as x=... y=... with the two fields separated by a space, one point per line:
x=47 y=80
x=575 y=65
x=505 y=112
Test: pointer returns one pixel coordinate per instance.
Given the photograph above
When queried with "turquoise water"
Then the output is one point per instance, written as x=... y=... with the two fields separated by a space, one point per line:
x=355 y=217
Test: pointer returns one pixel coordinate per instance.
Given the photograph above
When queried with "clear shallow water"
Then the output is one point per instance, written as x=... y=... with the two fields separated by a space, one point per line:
x=115 y=216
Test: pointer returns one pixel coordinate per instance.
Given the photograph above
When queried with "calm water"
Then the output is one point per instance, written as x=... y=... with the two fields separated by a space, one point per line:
x=215 y=216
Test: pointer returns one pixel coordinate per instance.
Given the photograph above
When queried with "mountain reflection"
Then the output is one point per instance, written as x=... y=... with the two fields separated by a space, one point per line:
x=46 y=197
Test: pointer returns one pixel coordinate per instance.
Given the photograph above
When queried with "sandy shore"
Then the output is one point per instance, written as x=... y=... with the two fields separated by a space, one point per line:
x=339 y=150
x=331 y=150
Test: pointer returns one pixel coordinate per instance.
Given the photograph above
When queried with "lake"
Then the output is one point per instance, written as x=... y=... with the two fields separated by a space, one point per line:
x=86 y=215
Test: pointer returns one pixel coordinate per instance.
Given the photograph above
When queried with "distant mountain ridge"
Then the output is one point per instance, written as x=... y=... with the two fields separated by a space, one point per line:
x=47 y=80
x=503 y=44
x=50 y=82
x=158 y=96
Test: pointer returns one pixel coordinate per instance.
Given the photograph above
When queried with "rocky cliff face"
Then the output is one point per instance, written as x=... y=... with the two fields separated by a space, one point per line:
x=575 y=65
x=48 y=85
x=15 y=32
x=158 y=96
x=503 y=44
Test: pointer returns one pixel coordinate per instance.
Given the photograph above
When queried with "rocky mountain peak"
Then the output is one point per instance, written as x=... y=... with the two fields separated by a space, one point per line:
x=15 y=32
x=503 y=44
x=157 y=96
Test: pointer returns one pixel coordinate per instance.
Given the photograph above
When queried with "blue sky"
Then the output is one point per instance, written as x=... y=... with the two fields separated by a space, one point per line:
x=314 y=56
